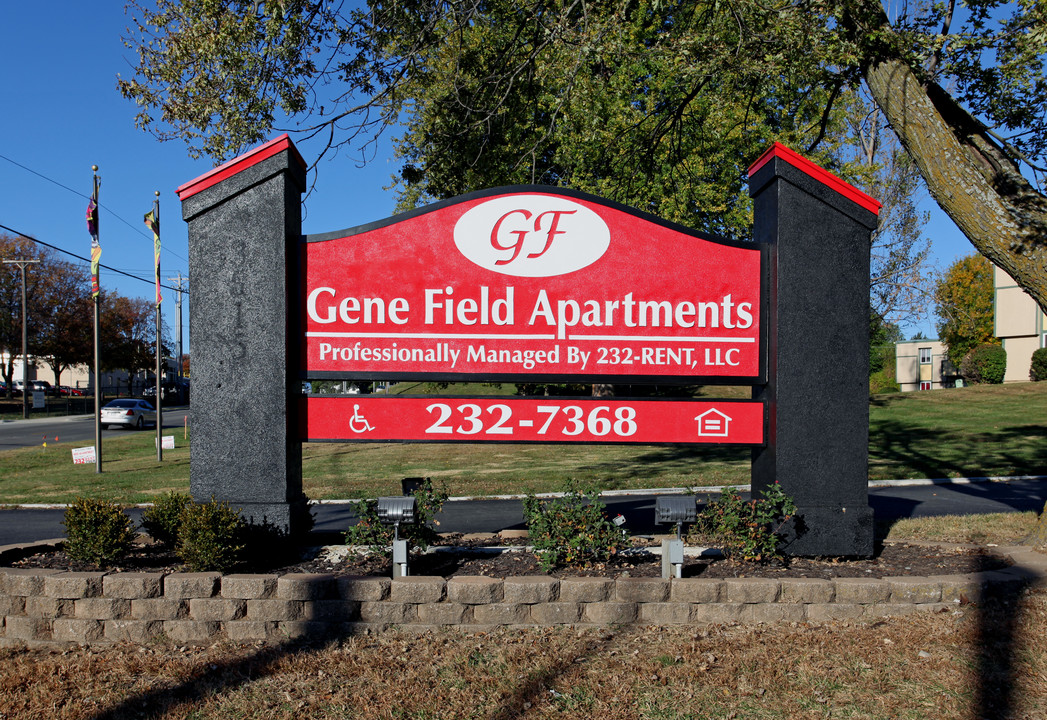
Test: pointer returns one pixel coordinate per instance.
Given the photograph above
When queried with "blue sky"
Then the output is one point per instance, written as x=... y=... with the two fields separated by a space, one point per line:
x=62 y=114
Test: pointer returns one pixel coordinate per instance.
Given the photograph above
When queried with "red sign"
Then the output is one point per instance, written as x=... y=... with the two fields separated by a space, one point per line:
x=522 y=420
x=525 y=284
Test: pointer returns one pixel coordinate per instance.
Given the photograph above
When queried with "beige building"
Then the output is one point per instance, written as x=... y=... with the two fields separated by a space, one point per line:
x=923 y=365
x=1020 y=325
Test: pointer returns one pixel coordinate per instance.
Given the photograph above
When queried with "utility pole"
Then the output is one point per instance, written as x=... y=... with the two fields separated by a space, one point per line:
x=25 y=338
x=179 y=287
x=153 y=221
x=96 y=256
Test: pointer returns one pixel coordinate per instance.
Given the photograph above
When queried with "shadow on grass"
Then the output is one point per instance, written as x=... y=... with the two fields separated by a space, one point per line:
x=919 y=451
x=1000 y=614
x=998 y=610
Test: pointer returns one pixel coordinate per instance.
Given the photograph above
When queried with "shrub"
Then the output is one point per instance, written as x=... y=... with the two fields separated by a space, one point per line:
x=371 y=532
x=986 y=363
x=164 y=518
x=266 y=545
x=570 y=530
x=749 y=529
x=1038 y=368
x=97 y=532
x=883 y=382
x=210 y=537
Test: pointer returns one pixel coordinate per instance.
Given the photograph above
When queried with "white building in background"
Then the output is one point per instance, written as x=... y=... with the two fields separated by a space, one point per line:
x=114 y=382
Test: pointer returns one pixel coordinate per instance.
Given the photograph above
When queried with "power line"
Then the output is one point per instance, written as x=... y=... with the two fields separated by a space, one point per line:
x=135 y=228
x=86 y=260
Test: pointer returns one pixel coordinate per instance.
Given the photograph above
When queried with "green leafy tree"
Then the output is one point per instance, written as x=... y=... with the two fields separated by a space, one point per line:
x=659 y=104
x=964 y=297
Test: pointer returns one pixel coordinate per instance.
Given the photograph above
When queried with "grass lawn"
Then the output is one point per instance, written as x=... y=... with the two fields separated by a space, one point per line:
x=975 y=431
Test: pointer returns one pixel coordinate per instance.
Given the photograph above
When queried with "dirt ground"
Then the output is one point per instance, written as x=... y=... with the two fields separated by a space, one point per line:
x=456 y=556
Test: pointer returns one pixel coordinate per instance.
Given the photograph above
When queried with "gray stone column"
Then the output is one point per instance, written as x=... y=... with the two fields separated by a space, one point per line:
x=817 y=230
x=244 y=228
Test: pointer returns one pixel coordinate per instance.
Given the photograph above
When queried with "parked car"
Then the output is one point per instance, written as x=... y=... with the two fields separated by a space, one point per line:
x=42 y=386
x=128 y=412
x=171 y=392
x=70 y=391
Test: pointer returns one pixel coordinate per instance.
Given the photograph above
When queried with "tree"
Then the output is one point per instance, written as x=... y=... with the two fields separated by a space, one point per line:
x=128 y=333
x=64 y=338
x=964 y=296
x=53 y=325
x=900 y=281
x=14 y=248
x=659 y=104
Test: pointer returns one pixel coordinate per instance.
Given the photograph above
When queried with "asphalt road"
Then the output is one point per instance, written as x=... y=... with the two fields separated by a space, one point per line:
x=888 y=503
x=75 y=428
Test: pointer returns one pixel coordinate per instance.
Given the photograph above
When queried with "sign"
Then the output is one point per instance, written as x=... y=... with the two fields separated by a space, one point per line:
x=167 y=442
x=527 y=420
x=84 y=455
x=39 y=400
x=527 y=285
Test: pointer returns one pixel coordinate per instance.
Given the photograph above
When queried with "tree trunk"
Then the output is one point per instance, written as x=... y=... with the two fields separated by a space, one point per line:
x=967 y=173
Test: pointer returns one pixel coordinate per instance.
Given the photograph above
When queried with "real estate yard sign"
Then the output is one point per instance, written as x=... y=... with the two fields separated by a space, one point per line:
x=533 y=284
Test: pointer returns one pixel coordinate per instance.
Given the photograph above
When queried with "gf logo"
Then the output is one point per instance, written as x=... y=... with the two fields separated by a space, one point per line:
x=517 y=244
x=532 y=235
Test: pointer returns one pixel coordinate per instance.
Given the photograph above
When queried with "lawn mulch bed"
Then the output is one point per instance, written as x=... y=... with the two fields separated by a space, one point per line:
x=458 y=557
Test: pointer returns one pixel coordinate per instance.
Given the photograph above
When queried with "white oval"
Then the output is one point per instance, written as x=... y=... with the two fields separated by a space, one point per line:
x=532 y=235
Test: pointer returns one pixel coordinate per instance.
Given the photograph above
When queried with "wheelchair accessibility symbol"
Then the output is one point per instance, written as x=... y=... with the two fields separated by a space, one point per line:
x=358 y=423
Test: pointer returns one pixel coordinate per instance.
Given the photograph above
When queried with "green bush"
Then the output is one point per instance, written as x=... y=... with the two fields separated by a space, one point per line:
x=164 y=518
x=883 y=382
x=1038 y=368
x=986 y=363
x=571 y=530
x=748 y=529
x=371 y=532
x=210 y=537
x=97 y=532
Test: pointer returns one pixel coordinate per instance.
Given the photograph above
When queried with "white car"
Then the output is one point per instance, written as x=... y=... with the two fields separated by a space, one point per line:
x=129 y=413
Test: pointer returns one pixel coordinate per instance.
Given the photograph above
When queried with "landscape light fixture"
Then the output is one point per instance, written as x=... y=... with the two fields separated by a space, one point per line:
x=393 y=511
x=677 y=509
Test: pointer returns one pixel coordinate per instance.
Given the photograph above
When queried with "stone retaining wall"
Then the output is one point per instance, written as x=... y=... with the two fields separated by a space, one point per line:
x=54 y=607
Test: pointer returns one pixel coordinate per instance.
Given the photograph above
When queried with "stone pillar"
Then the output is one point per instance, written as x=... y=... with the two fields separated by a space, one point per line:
x=244 y=228
x=817 y=230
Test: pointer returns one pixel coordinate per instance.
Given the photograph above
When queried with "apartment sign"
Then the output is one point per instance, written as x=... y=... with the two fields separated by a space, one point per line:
x=526 y=284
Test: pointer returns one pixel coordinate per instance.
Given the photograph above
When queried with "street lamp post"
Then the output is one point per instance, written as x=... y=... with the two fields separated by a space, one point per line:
x=25 y=337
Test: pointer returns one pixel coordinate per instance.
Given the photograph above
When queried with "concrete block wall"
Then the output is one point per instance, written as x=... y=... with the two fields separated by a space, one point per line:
x=55 y=607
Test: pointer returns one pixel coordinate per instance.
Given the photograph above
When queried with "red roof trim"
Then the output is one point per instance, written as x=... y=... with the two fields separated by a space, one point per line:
x=238 y=165
x=820 y=174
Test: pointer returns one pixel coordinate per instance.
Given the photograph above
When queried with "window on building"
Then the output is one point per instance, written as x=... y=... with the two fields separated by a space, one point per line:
x=925 y=356
x=924 y=385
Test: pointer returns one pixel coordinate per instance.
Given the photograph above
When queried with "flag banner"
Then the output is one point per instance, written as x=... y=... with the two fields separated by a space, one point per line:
x=92 y=216
x=96 y=256
x=153 y=223
x=96 y=249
